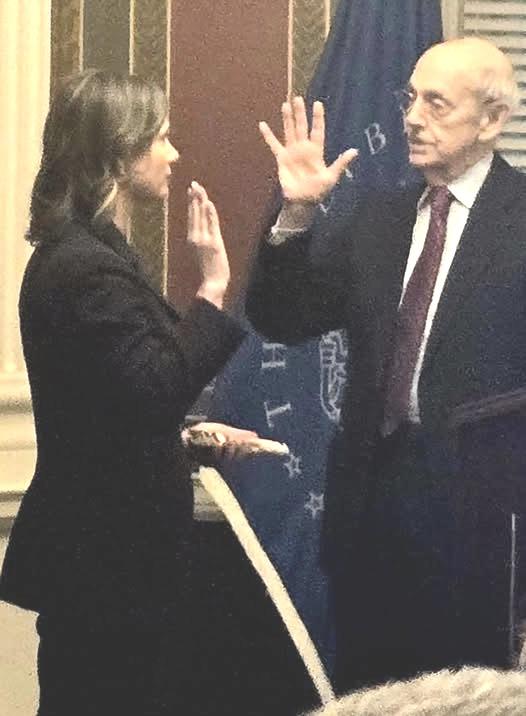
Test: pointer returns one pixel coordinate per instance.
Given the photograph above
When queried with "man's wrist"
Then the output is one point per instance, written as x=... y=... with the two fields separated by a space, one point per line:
x=294 y=218
x=296 y=215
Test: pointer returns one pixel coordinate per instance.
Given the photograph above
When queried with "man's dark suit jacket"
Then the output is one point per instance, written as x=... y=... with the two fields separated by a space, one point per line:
x=104 y=527
x=477 y=346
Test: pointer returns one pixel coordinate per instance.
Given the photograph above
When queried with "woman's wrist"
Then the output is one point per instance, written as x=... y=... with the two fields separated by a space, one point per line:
x=213 y=291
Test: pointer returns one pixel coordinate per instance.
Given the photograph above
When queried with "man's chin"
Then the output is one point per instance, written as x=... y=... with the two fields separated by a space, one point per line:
x=419 y=159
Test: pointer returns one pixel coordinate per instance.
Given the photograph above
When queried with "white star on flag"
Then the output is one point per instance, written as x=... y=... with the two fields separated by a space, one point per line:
x=293 y=466
x=315 y=504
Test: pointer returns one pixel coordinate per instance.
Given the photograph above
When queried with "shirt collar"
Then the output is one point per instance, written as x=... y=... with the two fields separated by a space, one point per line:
x=466 y=187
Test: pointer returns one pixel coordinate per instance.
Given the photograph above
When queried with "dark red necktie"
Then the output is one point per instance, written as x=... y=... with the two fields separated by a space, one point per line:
x=412 y=313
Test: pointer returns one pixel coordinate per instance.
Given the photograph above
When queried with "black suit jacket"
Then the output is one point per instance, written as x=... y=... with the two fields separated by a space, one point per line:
x=104 y=528
x=477 y=347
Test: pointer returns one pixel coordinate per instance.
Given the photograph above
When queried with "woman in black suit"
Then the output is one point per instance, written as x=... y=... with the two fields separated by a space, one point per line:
x=101 y=545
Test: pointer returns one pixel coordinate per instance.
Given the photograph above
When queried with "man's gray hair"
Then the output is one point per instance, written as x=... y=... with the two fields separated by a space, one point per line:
x=471 y=691
x=501 y=90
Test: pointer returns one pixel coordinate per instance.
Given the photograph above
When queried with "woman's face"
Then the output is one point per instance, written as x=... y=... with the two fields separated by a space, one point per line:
x=149 y=174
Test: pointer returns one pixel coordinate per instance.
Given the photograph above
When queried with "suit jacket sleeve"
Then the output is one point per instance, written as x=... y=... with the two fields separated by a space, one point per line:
x=293 y=296
x=156 y=362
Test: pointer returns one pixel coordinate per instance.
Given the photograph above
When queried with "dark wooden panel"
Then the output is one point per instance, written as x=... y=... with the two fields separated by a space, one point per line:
x=107 y=34
x=150 y=39
x=228 y=71
x=308 y=40
x=65 y=39
x=150 y=60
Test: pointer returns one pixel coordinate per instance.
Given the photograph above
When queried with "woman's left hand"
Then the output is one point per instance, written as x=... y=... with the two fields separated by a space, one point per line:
x=226 y=440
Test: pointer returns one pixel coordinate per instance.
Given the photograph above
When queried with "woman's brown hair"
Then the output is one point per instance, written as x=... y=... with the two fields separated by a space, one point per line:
x=97 y=125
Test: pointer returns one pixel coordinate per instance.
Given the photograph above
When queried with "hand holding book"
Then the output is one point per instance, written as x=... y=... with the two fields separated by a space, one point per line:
x=221 y=440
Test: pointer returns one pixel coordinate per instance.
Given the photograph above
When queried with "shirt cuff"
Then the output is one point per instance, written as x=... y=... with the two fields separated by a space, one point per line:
x=278 y=234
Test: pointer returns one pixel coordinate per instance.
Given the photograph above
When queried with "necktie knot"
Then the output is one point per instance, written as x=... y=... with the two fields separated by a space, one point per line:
x=440 y=199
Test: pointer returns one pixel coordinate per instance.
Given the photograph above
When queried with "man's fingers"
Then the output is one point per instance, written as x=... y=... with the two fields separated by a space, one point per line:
x=289 y=131
x=300 y=119
x=340 y=164
x=318 y=125
x=270 y=138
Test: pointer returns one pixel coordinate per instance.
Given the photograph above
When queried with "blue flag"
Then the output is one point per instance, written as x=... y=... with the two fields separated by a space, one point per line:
x=293 y=394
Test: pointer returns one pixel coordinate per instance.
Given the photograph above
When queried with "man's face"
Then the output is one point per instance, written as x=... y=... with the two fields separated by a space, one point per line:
x=444 y=115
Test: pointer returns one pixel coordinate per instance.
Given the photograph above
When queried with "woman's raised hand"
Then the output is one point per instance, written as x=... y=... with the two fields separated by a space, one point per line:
x=303 y=174
x=204 y=233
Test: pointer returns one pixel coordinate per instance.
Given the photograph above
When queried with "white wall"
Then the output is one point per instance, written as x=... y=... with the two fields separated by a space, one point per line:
x=24 y=90
x=25 y=39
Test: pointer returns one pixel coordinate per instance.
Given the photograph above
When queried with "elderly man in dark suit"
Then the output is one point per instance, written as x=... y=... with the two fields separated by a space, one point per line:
x=430 y=286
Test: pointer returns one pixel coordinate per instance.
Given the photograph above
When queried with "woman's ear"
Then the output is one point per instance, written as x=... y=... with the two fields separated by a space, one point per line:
x=119 y=170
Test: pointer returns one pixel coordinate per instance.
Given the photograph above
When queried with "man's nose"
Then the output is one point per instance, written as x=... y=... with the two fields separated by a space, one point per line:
x=415 y=114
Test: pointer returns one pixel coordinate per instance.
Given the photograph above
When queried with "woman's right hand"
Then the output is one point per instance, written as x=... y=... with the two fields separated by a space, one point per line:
x=204 y=233
x=303 y=175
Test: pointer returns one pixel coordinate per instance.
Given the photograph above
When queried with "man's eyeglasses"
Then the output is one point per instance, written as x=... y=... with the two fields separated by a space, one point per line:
x=433 y=106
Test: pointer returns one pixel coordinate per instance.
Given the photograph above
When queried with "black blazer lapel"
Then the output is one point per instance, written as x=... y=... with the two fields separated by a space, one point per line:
x=483 y=234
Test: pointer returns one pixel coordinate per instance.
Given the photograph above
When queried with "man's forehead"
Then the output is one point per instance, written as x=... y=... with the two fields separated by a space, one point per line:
x=465 y=62
x=442 y=70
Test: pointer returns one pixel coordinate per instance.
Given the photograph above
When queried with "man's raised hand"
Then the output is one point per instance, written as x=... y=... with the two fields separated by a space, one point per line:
x=303 y=174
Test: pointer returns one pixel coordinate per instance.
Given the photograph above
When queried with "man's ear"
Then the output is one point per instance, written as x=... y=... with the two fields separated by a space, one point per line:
x=493 y=120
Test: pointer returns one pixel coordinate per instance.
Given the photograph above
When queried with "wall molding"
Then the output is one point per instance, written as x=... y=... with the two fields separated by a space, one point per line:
x=14 y=393
x=25 y=31
x=9 y=504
